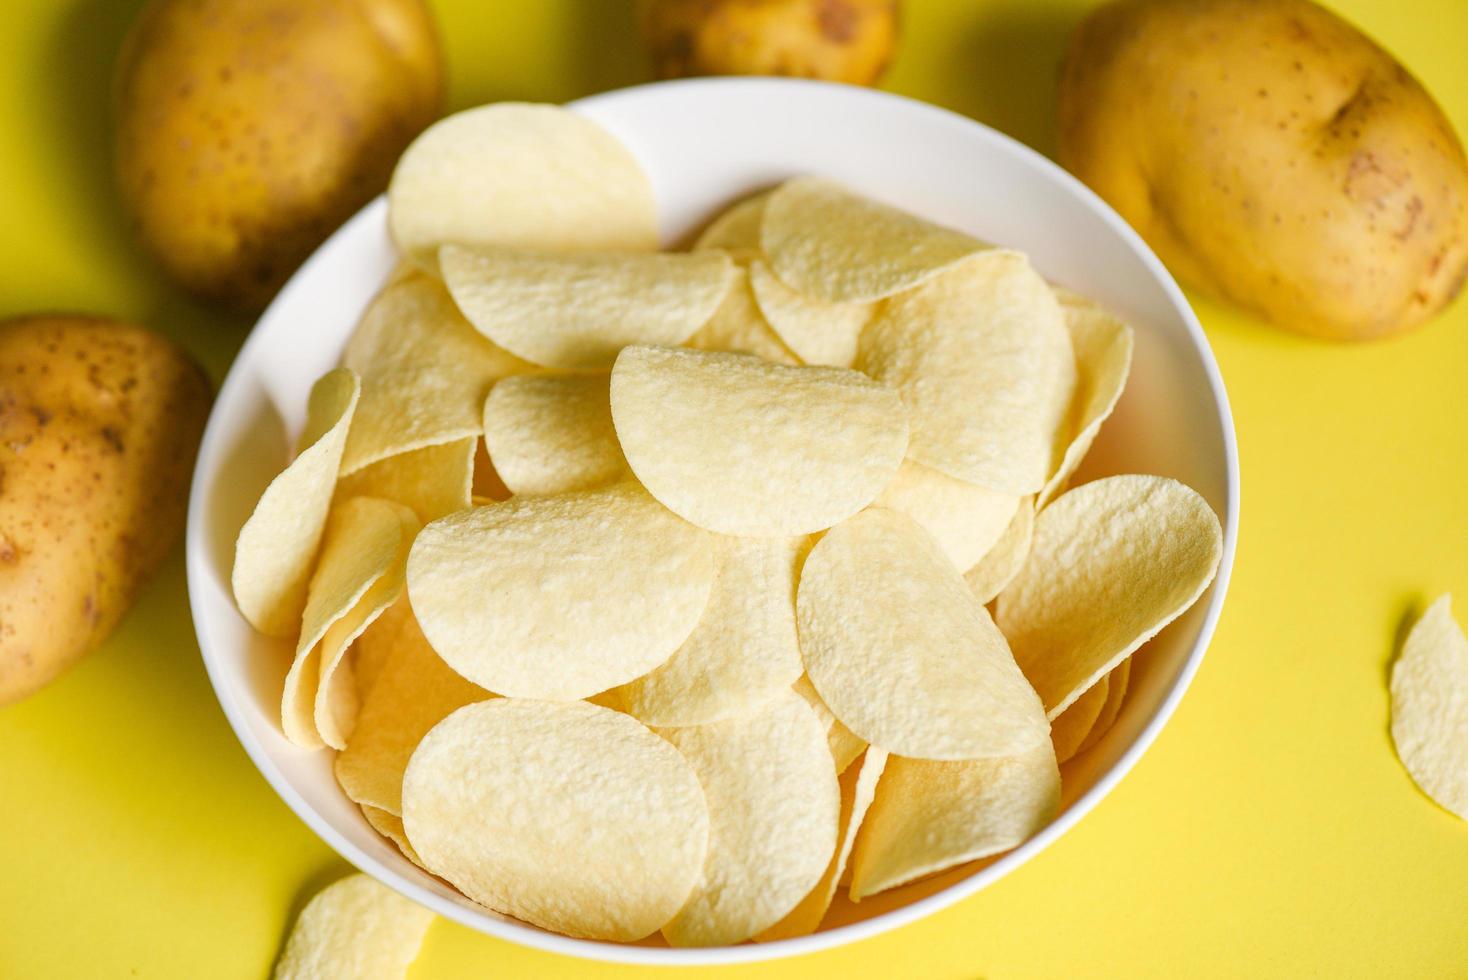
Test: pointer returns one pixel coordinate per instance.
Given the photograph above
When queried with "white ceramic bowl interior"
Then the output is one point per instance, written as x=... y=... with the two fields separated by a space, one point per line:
x=705 y=144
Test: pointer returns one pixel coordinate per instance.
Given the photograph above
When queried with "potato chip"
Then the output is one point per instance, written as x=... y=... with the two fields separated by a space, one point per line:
x=817 y=331
x=744 y=650
x=773 y=807
x=1002 y=562
x=930 y=816
x=844 y=746
x=577 y=310
x=536 y=176
x=566 y=815
x=742 y=446
x=1116 y=688
x=738 y=327
x=902 y=652
x=371 y=650
x=1112 y=563
x=983 y=362
x=738 y=227
x=277 y=545
x=391 y=827
x=560 y=597
x=553 y=433
x=433 y=481
x=1070 y=728
x=835 y=245
x=356 y=928
x=1430 y=707
x=966 y=521
x=425 y=373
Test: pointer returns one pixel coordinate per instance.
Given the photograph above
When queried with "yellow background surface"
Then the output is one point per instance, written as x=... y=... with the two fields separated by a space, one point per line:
x=1269 y=832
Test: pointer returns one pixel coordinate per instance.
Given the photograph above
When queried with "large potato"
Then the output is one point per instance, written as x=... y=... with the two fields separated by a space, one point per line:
x=1272 y=155
x=247 y=130
x=99 y=423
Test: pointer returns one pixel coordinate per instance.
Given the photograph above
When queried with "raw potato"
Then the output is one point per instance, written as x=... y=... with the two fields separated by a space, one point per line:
x=1275 y=156
x=247 y=130
x=99 y=423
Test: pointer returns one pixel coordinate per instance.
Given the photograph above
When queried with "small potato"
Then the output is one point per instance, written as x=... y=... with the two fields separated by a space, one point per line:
x=1272 y=155
x=99 y=424
x=837 y=40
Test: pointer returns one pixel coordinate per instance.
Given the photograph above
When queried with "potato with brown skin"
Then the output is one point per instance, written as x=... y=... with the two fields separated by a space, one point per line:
x=99 y=424
x=837 y=40
x=1272 y=155
x=248 y=130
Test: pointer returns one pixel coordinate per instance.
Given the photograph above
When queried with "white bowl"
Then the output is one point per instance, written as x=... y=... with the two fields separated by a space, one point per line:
x=706 y=143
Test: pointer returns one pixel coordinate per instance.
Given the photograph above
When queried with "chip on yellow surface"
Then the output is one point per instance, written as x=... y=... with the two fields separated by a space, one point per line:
x=354 y=929
x=902 y=652
x=737 y=227
x=773 y=810
x=562 y=596
x=741 y=446
x=433 y=481
x=277 y=546
x=844 y=745
x=1070 y=728
x=1001 y=563
x=1116 y=688
x=1430 y=707
x=552 y=433
x=966 y=521
x=1113 y=561
x=391 y=827
x=817 y=331
x=569 y=816
x=577 y=310
x=526 y=175
x=739 y=327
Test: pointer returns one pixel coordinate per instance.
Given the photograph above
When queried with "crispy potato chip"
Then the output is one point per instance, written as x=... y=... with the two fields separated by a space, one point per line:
x=930 y=816
x=738 y=327
x=560 y=597
x=1112 y=563
x=1069 y=729
x=773 y=806
x=736 y=228
x=577 y=310
x=741 y=446
x=966 y=521
x=277 y=545
x=488 y=487
x=566 y=815
x=744 y=650
x=844 y=746
x=1430 y=707
x=553 y=433
x=817 y=331
x=433 y=481
x=835 y=245
x=903 y=653
x=371 y=650
x=536 y=176
x=1116 y=687
x=983 y=362
x=1002 y=562
x=357 y=929
x=391 y=827
x=425 y=373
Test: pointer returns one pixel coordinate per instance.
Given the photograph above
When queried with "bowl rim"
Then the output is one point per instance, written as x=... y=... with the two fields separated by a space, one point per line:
x=527 y=935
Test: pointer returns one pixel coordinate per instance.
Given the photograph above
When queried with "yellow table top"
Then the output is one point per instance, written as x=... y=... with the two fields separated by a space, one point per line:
x=1269 y=832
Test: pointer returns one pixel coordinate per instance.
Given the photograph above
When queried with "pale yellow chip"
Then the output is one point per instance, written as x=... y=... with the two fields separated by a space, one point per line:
x=741 y=446
x=844 y=745
x=371 y=651
x=984 y=364
x=425 y=372
x=391 y=827
x=1430 y=707
x=744 y=650
x=1001 y=563
x=1112 y=562
x=773 y=809
x=1116 y=688
x=569 y=816
x=817 y=331
x=553 y=433
x=738 y=326
x=563 y=596
x=433 y=481
x=577 y=310
x=738 y=227
x=276 y=548
x=1069 y=729
x=967 y=521
x=835 y=245
x=902 y=652
x=526 y=175
x=931 y=816
x=355 y=929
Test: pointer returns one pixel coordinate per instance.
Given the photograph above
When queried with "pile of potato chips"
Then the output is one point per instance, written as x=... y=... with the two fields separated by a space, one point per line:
x=764 y=579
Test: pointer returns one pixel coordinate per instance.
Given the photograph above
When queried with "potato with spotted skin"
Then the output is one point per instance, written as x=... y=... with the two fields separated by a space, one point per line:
x=1272 y=155
x=99 y=424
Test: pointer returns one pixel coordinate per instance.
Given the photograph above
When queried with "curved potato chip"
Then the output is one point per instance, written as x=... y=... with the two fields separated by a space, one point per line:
x=560 y=597
x=903 y=653
x=737 y=227
x=433 y=481
x=741 y=446
x=515 y=174
x=1430 y=707
x=372 y=649
x=818 y=332
x=738 y=326
x=844 y=746
x=1113 y=561
x=1116 y=687
x=773 y=805
x=566 y=815
x=930 y=816
x=742 y=653
x=966 y=521
x=835 y=245
x=1002 y=563
x=577 y=310
x=1069 y=729
x=983 y=362
x=277 y=546
x=391 y=827
x=354 y=928
x=553 y=433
